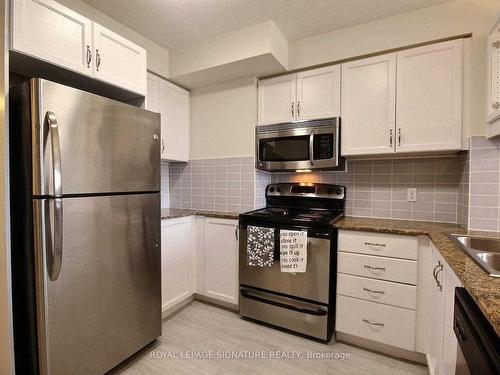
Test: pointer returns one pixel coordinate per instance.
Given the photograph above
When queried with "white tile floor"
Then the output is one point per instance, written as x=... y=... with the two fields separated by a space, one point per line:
x=201 y=329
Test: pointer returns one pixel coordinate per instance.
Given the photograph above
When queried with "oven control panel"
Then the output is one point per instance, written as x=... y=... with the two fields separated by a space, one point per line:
x=306 y=189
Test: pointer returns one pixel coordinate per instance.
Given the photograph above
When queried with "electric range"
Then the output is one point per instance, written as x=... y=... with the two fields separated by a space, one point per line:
x=303 y=303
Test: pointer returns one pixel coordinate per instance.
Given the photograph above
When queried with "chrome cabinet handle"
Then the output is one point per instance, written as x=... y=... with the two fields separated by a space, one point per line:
x=89 y=56
x=436 y=271
x=390 y=137
x=373 y=323
x=375 y=244
x=374 y=268
x=97 y=59
x=54 y=247
x=373 y=291
x=293 y=113
x=236 y=232
x=162 y=145
x=298 y=108
x=311 y=147
x=399 y=136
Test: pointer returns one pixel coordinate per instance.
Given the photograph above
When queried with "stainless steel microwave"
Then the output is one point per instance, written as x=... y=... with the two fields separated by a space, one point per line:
x=298 y=146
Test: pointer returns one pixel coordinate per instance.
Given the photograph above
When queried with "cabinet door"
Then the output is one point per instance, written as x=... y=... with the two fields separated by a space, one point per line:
x=318 y=93
x=119 y=61
x=429 y=98
x=368 y=106
x=48 y=31
x=152 y=93
x=174 y=109
x=494 y=74
x=177 y=266
x=221 y=260
x=450 y=343
x=277 y=98
x=436 y=312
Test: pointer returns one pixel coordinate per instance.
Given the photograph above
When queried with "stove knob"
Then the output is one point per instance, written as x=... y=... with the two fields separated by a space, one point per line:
x=339 y=192
x=271 y=189
x=278 y=189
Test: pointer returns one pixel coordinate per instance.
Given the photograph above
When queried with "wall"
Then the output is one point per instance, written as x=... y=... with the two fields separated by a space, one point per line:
x=223 y=120
x=441 y=21
x=158 y=57
x=377 y=188
x=220 y=184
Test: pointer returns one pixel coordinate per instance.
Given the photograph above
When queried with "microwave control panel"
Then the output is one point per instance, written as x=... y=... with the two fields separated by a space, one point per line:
x=323 y=146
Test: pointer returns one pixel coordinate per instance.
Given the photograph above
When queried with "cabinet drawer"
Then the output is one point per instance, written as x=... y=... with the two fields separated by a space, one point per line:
x=387 y=245
x=386 y=324
x=387 y=292
x=399 y=270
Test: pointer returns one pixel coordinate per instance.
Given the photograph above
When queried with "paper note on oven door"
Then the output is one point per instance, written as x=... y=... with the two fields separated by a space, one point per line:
x=293 y=250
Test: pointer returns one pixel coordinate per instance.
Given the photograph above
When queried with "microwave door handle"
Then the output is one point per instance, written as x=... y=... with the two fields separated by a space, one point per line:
x=311 y=147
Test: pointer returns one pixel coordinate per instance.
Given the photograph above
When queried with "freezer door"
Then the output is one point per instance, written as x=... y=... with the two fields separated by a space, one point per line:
x=105 y=302
x=102 y=145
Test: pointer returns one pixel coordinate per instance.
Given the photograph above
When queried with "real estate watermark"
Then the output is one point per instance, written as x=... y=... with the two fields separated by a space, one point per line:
x=248 y=354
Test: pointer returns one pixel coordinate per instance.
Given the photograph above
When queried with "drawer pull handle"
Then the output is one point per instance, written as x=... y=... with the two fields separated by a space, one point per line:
x=374 y=244
x=373 y=323
x=374 y=291
x=374 y=268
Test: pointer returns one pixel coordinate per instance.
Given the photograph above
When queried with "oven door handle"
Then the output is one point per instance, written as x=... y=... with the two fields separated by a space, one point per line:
x=317 y=312
x=311 y=147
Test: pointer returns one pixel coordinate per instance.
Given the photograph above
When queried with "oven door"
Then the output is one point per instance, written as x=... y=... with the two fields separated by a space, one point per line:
x=313 y=285
x=295 y=146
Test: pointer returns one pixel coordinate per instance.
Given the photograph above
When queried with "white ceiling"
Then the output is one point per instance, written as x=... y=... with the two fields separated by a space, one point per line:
x=176 y=23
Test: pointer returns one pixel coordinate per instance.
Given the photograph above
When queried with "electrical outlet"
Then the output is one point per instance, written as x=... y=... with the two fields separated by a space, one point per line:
x=411 y=194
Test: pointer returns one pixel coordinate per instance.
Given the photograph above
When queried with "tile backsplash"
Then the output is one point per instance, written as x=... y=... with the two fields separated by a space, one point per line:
x=220 y=184
x=164 y=177
x=484 y=184
x=377 y=188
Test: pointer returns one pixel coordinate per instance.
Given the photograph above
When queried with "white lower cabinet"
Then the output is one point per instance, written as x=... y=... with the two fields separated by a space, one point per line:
x=221 y=260
x=199 y=255
x=177 y=261
x=389 y=295
x=442 y=349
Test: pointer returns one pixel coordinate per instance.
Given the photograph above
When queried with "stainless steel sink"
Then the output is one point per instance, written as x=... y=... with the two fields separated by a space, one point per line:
x=485 y=251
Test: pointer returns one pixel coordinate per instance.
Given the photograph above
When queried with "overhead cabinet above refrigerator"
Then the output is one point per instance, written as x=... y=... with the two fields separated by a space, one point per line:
x=47 y=31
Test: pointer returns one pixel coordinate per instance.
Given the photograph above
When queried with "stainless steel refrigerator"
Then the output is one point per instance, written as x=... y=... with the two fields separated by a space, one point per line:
x=85 y=204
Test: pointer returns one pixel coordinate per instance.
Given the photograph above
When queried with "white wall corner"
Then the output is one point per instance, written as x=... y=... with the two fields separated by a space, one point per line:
x=279 y=45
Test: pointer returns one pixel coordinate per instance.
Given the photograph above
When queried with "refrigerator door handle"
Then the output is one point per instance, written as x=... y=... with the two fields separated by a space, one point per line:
x=53 y=129
x=55 y=241
x=54 y=236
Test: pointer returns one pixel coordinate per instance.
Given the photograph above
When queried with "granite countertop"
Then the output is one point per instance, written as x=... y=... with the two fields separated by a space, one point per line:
x=484 y=289
x=171 y=213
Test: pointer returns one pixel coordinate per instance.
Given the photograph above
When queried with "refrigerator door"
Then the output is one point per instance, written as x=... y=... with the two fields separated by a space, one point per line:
x=105 y=302
x=102 y=146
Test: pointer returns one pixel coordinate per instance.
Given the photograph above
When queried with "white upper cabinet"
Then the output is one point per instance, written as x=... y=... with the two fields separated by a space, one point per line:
x=368 y=106
x=318 y=93
x=308 y=95
x=493 y=83
x=429 y=98
x=277 y=99
x=119 y=61
x=172 y=102
x=46 y=30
